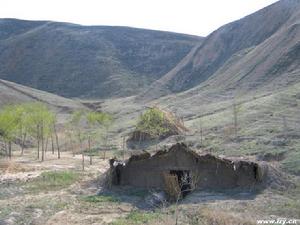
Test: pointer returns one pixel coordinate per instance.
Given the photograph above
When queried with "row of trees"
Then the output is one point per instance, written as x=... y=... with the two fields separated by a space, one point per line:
x=37 y=123
x=89 y=126
x=34 y=121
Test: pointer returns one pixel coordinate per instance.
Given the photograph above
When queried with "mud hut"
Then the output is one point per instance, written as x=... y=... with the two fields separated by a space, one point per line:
x=183 y=168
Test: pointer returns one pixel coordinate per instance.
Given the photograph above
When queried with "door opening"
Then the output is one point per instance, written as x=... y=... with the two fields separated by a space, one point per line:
x=184 y=181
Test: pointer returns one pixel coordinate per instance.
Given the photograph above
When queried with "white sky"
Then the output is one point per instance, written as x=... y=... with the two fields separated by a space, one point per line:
x=199 y=17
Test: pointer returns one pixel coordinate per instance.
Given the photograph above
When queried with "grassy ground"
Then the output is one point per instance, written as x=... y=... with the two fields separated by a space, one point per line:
x=59 y=192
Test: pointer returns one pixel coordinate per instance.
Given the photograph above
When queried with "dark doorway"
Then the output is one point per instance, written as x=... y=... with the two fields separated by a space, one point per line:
x=184 y=181
x=118 y=174
x=116 y=171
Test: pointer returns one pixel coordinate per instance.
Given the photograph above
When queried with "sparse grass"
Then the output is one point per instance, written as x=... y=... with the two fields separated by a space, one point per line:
x=13 y=167
x=5 y=211
x=292 y=161
x=51 y=181
x=92 y=152
x=292 y=164
x=137 y=218
x=285 y=207
x=28 y=212
x=99 y=198
x=208 y=217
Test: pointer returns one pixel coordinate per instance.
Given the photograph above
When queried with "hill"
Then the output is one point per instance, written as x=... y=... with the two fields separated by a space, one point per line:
x=12 y=93
x=258 y=49
x=87 y=61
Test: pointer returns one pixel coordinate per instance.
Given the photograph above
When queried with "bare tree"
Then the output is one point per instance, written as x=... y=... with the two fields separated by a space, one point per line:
x=200 y=130
x=236 y=110
x=56 y=140
x=76 y=123
x=123 y=147
x=52 y=144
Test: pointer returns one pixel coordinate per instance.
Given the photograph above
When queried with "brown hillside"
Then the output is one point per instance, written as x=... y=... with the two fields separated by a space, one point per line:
x=256 y=49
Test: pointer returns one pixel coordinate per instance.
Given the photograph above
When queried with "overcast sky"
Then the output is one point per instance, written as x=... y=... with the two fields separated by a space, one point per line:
x=199 y=17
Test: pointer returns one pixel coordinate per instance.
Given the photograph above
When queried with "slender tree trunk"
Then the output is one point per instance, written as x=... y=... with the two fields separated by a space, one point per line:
x=81 y=149
x=57 y=144
x=23 y=143
x=46 y=147
x=82 y=156
x=6 y=149
x=105 y=148
x=38 y=141
x=52 y=144
x=201 y=135
x=235 y=119
x=9 y=150
x=123 y=146
x=201 y=132
x=91 y=157
x=82 y=153
x=42 y=138
x=72 y=146
x=38 y=149
x=140 y=138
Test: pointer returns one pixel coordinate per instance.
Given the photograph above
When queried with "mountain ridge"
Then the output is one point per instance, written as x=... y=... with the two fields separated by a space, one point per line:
x=86 y=61
x=242 y=35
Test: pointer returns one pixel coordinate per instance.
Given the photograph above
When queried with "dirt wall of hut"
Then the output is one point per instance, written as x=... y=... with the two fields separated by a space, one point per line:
x=207 y=171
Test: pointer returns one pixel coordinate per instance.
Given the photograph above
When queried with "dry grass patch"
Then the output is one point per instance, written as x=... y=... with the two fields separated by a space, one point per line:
x=217 y=217
x=139 y=217
x=13 y=167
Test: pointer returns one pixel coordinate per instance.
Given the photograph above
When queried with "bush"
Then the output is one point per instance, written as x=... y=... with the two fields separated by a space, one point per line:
x=152 y=122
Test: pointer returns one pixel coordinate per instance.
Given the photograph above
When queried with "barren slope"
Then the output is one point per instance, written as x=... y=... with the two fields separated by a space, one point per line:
x=256 y=49
x=87 y=61
x=11 y=93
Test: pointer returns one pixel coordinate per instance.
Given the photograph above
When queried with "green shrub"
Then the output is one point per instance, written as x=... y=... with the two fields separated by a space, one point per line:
x=152 y=122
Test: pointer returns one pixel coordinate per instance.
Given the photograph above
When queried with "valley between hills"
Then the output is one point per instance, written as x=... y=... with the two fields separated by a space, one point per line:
x=236 y=91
